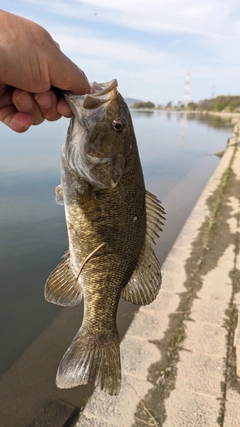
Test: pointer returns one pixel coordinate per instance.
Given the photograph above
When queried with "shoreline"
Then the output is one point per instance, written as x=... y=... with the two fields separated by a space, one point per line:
x=223 y=114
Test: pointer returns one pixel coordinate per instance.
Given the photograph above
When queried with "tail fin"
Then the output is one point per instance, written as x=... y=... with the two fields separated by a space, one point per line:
x=92 y=359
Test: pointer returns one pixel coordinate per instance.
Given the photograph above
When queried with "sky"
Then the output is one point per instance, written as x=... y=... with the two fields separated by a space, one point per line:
x=148 y=45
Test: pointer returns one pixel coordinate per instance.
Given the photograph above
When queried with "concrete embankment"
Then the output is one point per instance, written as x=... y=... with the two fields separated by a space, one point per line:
x=181 y=354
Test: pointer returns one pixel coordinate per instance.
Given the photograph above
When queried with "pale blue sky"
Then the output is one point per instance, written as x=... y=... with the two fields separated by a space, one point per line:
x=148 y=45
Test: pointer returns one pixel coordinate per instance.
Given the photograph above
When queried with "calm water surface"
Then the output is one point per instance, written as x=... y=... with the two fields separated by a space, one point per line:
x=178 y=157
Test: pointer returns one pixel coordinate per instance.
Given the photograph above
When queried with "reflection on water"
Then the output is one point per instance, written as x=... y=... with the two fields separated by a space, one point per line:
x=211 y=120
x=32 y=225
x=183 y=128
x=144 y=113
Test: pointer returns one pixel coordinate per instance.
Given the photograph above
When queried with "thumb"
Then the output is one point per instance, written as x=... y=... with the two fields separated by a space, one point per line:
x=66 y=75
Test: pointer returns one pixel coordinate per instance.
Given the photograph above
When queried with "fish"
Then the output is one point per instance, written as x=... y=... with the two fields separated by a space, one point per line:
x=112 y=223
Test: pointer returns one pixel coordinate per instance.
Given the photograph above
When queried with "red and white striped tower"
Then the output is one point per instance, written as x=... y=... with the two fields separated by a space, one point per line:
x=186 y=95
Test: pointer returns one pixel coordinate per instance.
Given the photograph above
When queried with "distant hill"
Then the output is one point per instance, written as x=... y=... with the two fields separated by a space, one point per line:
x=131 y=101
x=230 y=104
x=221 y=103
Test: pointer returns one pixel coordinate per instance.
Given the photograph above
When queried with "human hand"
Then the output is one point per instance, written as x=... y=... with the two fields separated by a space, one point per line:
x=31 y=64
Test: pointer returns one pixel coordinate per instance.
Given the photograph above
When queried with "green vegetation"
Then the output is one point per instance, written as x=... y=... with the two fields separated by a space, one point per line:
x=192 y=106
x=143 y=104
x=229 y=104
x=218 y=200
x=220 y=103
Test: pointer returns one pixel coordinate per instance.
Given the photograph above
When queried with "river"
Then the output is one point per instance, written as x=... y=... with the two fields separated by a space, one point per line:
x=178 y=157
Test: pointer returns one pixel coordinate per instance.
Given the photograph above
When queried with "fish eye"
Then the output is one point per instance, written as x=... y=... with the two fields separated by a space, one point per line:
x=118 y=125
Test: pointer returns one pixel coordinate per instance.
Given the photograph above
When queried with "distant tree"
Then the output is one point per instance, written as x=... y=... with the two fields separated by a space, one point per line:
x=147 y=104
x=219 y=106
x=180 y=104
x=169 y=104
x=232 y=106
x=192 y=106
x=220 y=103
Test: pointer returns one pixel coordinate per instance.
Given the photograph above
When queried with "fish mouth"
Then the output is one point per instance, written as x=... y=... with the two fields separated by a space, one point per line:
x=101 y=94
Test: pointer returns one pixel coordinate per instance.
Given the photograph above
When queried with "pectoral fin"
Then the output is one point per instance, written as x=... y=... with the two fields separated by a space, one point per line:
x=62 y=287
x=86 y=197
x=59 y=195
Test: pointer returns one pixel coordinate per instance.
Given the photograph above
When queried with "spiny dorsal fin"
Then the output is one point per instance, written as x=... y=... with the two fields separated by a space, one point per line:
x=145 y=282
x=62 y=287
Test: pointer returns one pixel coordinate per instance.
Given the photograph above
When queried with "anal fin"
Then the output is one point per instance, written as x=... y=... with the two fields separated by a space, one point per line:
x=146 y=279
x=62 y=287
x=155 y=213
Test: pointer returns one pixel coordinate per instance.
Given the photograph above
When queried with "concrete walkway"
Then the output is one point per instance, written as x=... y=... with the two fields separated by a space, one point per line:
x=181 y=354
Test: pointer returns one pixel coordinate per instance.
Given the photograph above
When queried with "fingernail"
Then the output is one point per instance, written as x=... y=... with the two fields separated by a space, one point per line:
x=21 y=122
x=25 y=100
x=44 y=100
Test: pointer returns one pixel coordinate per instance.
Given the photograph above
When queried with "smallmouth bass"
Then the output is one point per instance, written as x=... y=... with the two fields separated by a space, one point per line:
x=112 y=222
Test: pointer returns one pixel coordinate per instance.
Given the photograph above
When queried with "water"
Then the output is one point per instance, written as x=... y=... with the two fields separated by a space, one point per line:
x=178 y=157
